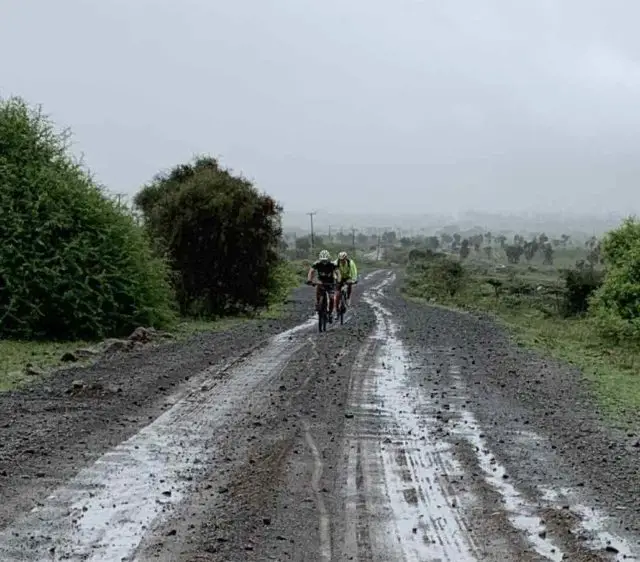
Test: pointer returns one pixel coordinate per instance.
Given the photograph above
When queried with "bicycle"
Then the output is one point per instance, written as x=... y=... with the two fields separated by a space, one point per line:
x=342 y=305
x=323 y=310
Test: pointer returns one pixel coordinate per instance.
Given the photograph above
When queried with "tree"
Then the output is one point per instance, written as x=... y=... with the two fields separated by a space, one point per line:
x=220 y=234
x=594 y=255
x=530 y=249
x=446 y=238
x=502 y=241
x=593 y=251
x=488 y=250
x=73 y=263
x=389 y=237
x=464 y=249
x=547 y=250
x=432 y=243
x=514 y=253
x=476 y=241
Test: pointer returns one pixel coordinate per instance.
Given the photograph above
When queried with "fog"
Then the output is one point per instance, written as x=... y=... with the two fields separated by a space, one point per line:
x=364 y=106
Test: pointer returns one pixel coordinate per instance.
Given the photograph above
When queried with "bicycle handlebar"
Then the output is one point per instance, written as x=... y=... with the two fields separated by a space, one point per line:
x=316 y=283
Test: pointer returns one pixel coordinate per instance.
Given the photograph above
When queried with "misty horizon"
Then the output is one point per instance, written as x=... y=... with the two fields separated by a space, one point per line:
x=374 y=107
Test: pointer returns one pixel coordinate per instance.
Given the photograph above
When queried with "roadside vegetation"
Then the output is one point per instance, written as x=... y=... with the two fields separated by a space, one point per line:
x=201 y=247
x=578 y=300
x=78 y=266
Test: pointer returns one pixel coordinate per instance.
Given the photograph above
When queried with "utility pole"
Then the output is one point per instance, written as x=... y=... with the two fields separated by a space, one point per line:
x=378 y=247
x=353 y=241
x=311 y=221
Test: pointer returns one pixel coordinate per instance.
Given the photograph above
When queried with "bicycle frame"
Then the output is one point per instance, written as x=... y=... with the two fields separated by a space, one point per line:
x=323 y=311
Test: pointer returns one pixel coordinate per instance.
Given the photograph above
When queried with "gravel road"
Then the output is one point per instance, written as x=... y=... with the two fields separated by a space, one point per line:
x=410 y=433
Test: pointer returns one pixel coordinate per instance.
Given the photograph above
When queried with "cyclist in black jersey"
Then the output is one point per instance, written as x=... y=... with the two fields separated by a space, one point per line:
x=328 y=274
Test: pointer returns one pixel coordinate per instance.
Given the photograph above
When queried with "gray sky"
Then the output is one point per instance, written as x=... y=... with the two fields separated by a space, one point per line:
x=374 y=105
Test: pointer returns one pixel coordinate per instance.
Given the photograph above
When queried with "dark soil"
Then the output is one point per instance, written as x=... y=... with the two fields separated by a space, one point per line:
x=48 y=432
x=514 y=391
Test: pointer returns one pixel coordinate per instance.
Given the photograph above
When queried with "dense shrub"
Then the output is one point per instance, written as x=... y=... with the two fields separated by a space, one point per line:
x=220 y=235
x=396 y=256
x=437 y=276
x=72 y=263
x=616 y=304
x=580 y=284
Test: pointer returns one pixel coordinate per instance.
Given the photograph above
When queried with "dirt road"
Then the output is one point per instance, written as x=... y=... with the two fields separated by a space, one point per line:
x=408 y=434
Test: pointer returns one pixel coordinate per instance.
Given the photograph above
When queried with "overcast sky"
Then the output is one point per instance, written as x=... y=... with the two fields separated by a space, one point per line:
x=372 y=105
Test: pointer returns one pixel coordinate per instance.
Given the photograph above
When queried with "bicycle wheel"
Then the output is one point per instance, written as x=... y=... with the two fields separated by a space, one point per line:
x=322 y=314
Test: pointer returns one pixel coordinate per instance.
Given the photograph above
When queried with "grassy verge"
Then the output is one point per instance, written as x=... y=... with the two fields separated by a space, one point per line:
x=15 y=356
x=611 y=371
x=533 y=321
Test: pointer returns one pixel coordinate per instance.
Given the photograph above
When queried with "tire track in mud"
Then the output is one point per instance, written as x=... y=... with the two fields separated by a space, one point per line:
x=279 y=472
x=407 y=494
x=104 y=512
x=581 y=531
x=405 y=509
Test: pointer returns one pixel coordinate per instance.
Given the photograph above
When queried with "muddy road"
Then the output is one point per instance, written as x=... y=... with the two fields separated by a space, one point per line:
x=408 y=434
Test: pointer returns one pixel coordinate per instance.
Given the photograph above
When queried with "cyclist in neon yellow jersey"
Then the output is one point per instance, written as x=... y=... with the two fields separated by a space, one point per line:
x=348 y=274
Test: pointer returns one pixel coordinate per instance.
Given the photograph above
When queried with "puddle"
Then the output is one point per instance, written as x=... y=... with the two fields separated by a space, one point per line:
x=592 y=522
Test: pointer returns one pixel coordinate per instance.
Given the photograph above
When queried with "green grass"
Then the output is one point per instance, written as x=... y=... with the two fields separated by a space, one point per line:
x=17 y=354
x=613 y=372
x=189 y=328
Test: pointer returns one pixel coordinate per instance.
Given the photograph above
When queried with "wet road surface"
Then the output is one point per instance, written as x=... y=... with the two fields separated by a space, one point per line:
x=407 y=434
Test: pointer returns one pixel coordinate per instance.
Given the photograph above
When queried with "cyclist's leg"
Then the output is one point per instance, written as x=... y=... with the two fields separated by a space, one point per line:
x=349 y=287
x=330 y=297
x=318 y=297
x=337 y=296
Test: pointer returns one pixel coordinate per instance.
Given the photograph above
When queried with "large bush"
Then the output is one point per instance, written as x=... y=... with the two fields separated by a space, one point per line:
x=220 y=235
x=72 y=264
x=436 y=276
x=580 y=284
x=616 y=305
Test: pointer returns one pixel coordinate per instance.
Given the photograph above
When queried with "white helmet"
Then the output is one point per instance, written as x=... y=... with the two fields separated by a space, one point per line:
x=324 y=256
x=342 y=256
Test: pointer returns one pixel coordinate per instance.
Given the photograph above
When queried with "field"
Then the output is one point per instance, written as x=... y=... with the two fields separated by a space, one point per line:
x=528 y=299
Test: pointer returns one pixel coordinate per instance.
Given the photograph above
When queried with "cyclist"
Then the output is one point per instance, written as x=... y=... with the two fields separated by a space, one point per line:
x=348 y=272
x=328 y=273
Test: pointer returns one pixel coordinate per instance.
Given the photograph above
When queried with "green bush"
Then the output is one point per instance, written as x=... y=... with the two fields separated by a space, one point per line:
x=580 y=284
x=616 y=304
x=284 y=277
x=73 y=265
x=220 y=235
x=438 y=276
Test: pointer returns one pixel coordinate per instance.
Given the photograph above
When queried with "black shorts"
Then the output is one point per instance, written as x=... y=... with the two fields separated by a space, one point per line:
x=329 y=286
